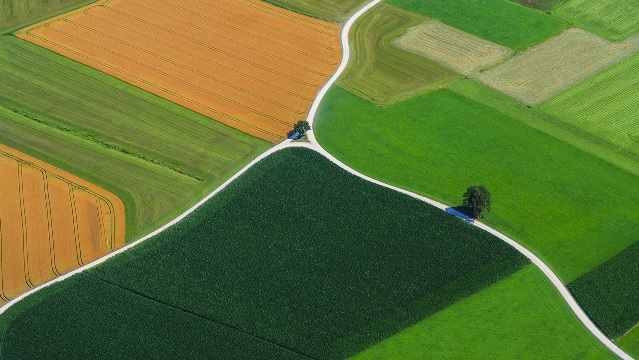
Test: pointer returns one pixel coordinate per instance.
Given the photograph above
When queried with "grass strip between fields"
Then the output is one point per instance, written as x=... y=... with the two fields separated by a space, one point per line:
x=15 y=14
x=440 y=142
x=158 y=157
x=301 y=253
x=329 y=10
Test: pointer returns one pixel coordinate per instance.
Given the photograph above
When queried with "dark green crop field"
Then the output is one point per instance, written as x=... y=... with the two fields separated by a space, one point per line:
x=610 y=293
x=17 y=13
x=499 y=21
x=156 y=156
x=85 y=318
x=297 y=252
x=552 y=197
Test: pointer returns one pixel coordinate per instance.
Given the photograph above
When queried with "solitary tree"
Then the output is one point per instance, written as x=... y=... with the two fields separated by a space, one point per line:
x=477 y=199
x=302 y=127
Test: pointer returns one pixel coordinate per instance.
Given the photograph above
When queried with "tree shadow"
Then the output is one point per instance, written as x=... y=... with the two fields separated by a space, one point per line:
x=464 y=210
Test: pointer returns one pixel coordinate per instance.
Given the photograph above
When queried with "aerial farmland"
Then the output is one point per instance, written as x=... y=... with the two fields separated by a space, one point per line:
x=328 y=179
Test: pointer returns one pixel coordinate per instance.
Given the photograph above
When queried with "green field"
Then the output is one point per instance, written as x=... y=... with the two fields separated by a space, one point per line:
x=296 y=251
x=521 y=317
x=156 y=156
x=572 y=134
x=18 y=13
x=331 y=10
x=604 y=105
x=630 y=343
x=439 y=143
x=612 y=19
x=379 y=71
x=89 y=319
x=610 y=293
x=499 y=21
x=539 y=4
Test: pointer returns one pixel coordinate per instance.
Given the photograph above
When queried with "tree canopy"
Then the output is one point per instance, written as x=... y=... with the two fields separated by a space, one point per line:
x=477 y=200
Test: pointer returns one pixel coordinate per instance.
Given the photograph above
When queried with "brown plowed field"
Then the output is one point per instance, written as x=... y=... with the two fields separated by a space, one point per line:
x=51 y=222
x=245 y=63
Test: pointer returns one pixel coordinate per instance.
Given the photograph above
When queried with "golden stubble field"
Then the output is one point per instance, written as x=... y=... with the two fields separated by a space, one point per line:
x=245 y=63
x=51 y=222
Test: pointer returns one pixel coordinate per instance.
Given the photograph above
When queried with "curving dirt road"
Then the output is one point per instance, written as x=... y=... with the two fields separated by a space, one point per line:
x=314 y=145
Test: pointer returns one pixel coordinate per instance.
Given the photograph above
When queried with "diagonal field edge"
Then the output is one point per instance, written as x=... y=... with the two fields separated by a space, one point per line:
x=201 y=316
x=314 y=145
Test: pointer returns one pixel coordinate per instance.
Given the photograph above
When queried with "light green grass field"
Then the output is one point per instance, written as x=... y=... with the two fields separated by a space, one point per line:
x=331 y=10
x=499 y=21
x=611 y=19
x=562 y=203
x=379 y=71
x=539 y=4
x=572 y=134
x=156 y=156
x=630 y=343
x=18 y=13
x=521 y=317
x=605 y=105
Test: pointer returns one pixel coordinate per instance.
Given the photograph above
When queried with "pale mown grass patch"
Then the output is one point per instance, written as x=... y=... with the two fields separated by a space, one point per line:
x=453 y=48
x=550 y=67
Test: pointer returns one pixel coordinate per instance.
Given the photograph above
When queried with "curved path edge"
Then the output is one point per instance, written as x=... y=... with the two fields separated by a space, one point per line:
x=314 y=145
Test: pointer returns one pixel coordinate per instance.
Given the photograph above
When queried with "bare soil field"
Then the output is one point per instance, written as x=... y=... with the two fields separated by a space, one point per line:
x=247 y=64
x=51 y=222
x=544 y=70
x=451 y=47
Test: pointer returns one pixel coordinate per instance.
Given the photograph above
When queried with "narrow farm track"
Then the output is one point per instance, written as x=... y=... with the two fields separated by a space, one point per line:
x=314 y=145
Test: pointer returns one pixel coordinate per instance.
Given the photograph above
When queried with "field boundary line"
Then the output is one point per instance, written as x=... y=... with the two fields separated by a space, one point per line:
x=314 y=145
x=196 y=314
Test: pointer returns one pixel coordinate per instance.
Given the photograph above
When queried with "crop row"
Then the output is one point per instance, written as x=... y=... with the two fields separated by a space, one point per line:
x=610 y=293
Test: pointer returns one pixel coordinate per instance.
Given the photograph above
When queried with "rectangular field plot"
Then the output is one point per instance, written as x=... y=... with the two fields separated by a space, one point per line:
x=383 y=73
x=44 y=228
x=610 y=293
x=613 y=19
x=556 y=64
x=451 y=47
x=247 y=64
x=605 y=105
x=500 y=21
